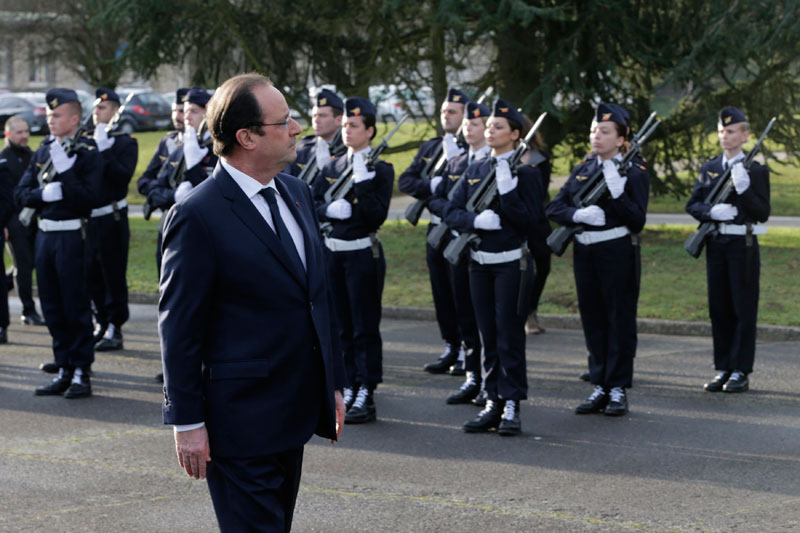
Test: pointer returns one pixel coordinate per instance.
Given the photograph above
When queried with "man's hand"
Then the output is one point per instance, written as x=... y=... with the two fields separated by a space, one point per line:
x=193 y=451
x=339 y=401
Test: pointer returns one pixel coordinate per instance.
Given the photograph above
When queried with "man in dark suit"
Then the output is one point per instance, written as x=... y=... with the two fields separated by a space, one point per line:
x=252 y=367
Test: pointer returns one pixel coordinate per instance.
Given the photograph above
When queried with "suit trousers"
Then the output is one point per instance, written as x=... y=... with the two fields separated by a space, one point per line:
x=61 y=276
x=108 y=241
x=733 y=301
x=495 y=293
x=21 y=239
x=255 y=494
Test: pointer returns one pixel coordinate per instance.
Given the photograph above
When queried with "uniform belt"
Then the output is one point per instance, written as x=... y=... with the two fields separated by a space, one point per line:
x=108 y=209
x=593 y=237
x=495 y=258
x=59 y=225
x=740 y=229
x=435 y=219
x=340 y=245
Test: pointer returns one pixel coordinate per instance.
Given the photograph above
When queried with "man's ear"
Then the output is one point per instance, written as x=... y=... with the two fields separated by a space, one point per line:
x=245 y=139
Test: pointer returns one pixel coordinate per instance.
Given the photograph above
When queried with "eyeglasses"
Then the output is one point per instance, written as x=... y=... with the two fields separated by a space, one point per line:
x=285 y=123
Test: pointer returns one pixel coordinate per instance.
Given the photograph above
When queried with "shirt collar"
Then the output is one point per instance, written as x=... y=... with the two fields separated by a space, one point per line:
x=480 y=153
x=365 y=151
x=505 y=155
x=733 y=160
x=249 y=186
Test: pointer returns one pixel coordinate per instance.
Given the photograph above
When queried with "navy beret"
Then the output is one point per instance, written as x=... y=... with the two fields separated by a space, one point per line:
x=358 y=106
x=56 y=97
x=612 y=112
x=476 y=110
x=454 y=95
x=106 y=95
x=731 y=115
x=507 y=111
x=328 y=98
x=180 y=95
x=197 y=96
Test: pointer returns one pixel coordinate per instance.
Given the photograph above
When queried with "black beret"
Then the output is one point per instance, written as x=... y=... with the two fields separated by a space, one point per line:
x=328 y=98
x=507 y=111
x=731 y=115
x=57 y=97
x=356 y=106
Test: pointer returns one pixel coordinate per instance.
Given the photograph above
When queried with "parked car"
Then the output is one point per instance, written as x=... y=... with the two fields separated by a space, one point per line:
x=391 y=102
x=87 y=104
x=31 y=106
x=144 y=111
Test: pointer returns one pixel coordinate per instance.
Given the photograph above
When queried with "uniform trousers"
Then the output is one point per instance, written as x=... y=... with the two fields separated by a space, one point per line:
x=607 y=299
x=256 y=493
x=4 y=318
x=357 y=279
x=733 y=301
x=495 y=293
x=108 y=240
x=63 y=293
x=541 y=258
x=465 y=314
x=442 y=291
x=21 y=239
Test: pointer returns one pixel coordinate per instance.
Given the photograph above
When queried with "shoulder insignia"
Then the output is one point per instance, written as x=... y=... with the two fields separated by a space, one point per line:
x=581 y=178
x=643 y=167
x=301 y=166
x=40 y=165
x=473 y=181
x=331 y=180
x=455 y=177
x=426 y=159
x=162 y=157
x=173 y=163
x=355 y=201
x=712 y=175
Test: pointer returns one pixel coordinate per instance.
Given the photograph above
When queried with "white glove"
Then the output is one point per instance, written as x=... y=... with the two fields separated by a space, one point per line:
x=339 y=209
x=52 y=192
x=435 y=181
x=323 y=153
x=451 y=147
x=615 y=182
x=592 y=215
x=505 y=181
x=192 y=152
x=487 y=220
x=183 y=190
x=741 y=179
x=723 y=212
x=58 y=156
x=101 y=138
x=360 y=172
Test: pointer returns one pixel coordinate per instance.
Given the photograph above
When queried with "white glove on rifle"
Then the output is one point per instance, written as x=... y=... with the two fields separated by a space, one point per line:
x=741 y=179
x=192 y=152
x=52 y=192
x=487 y=220
x=592 y=215
x=615 y=182
x=451 y=147
x=723 y=212
x=323 y=153
x=435 y=181
x=58 y=156
x=183 y=190
x=101 y=138
x=505 y=181
x=360 y=172
x=339 y=209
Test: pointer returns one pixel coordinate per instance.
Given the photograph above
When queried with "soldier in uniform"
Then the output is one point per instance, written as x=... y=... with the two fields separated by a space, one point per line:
x=474 y=126
x=166 y=146
x=108 y=232
x=326 y=119
x=499 y=268
x=357 y=264
x=733 y=262
x=70 y=194
x=605 y=260
x=414 y=182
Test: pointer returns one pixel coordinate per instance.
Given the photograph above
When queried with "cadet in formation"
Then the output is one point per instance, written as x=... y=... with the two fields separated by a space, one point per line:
x=733 y=262
x=325 y=143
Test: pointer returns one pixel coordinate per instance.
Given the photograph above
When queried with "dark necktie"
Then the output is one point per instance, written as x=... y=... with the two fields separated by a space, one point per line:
x=280 y=228
x=471 y=159
x=725 y=166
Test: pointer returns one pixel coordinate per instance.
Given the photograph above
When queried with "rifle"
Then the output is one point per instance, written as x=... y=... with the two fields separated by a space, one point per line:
x=48 y=173
x=342 y=186
x=485 y=195
x=434 y=168
x=719 y=194
x=111 y=127
x=310 y=171
x=595 y=188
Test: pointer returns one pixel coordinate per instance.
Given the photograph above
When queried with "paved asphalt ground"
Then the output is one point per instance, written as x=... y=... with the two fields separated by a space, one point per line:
x=683 y=460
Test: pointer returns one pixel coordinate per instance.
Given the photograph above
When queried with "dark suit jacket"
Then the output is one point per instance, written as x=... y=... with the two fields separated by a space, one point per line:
x=248 y=343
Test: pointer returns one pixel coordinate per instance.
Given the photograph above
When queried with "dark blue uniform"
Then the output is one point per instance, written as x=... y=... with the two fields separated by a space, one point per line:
x=306 y=148
x=108 y=235
x=60 y=255
x=537 y=241
x=607 y=273
x=495 y=288
x=733 y=284
x=358 y=276
x=149 y=177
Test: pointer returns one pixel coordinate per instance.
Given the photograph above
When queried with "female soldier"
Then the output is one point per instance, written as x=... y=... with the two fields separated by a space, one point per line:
x=499 y=270
x=605 y=258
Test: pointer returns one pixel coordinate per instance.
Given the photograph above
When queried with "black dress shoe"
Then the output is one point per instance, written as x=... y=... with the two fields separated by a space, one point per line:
x=32 y=319
x=480 y=399
x=81 y=387
x=160 y=377
x=595 y=403
x=469 y=391
x=487 y=420
x=584 y=377
x=56 y=387
x=363 y=408
x=445 y=361
x=49 y=368
x=3 y=335
x=457 y=369
x=107 y=344
x=617 y=403
x=509 y=423
x=737 y=383
x=716 y=384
